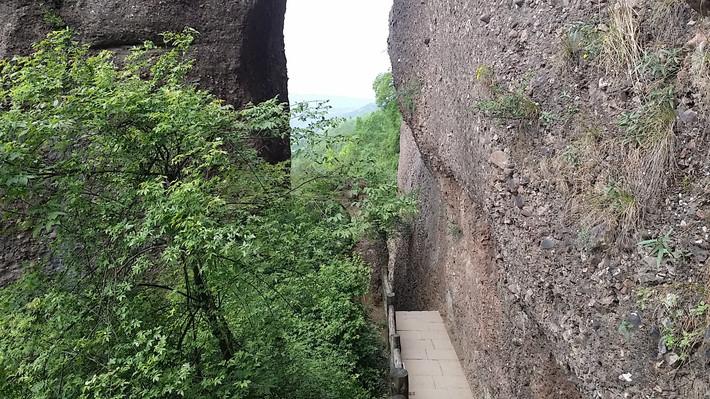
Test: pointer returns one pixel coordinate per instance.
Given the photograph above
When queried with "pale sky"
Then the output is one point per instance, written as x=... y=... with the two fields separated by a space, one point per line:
x=336 y=47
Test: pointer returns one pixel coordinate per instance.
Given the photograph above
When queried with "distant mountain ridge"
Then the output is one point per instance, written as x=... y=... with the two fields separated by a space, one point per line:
x=369 y=108
x=343 y=107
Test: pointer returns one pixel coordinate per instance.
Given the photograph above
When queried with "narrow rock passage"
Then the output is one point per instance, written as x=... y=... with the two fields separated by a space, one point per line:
x=427 y=353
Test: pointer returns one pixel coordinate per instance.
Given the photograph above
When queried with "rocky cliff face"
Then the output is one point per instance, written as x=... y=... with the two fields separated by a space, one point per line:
x=239 y=56
x=240 y=51
x=526 y=140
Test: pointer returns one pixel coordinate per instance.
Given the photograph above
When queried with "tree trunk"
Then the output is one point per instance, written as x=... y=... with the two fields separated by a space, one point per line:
x=218 y=324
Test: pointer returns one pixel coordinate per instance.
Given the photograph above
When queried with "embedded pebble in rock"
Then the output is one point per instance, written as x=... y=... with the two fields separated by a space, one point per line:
x=626 y=377
x=672 y=359
x=688 y=116
x=524 y=36
x=499 y=159
x=548 y=243
x=513 y=185
x=634 y=320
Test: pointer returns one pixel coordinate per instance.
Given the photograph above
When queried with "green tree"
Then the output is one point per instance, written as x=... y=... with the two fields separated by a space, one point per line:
x=180 y=265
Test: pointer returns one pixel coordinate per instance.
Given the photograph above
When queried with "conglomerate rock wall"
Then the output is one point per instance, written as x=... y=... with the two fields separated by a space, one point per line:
x=534 y=192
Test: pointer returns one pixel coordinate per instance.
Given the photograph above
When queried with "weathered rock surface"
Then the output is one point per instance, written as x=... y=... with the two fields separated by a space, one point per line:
x=239 y=57
x=537 y=307
x=701 y=6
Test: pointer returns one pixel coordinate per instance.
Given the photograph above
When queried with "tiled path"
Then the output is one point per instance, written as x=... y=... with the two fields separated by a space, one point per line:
x=427 y=354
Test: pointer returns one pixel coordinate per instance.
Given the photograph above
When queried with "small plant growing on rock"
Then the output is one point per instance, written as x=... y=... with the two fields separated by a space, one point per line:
x=485 y=74
x=572 y=155
x=625 y=328
x=681 y=313
x=660 y=247
x=643 y=297
x=653 y=123
x=648 y=138
x=701 y=63
x=700 y=70
x=685 y=332
x=455 y=230
x=504 y=103
x=581 y=42
x=584 y=239
x=406 y=96
x=615 y=206
x=53 y=19
x=610 y=212
x=700 y=310
x=649 y=134
x=548 y=119
x=662 y=64
x=511 y=105
x=622 y=201
x=583 y=148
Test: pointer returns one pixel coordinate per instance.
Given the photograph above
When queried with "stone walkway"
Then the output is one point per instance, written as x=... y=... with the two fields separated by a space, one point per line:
x=427 y=354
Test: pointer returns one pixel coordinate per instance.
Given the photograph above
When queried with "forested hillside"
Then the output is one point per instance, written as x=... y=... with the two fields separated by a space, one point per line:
x=364 y=148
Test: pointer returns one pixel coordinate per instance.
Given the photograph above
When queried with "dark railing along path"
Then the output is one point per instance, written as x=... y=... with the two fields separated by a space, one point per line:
x=423 y=363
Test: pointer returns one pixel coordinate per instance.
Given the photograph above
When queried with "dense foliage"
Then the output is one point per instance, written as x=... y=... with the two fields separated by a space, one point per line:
x=364 y=150
x=181 y=264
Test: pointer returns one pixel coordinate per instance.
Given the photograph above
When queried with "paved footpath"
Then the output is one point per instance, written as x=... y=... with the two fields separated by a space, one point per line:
x=427 y=353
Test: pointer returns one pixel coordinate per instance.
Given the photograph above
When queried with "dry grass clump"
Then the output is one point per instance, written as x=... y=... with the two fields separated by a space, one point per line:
x=611 y=181
x=571 y=171
x=613 y=205
x=598 y=194
x=650 y=125
x=649 y=135
x=621 y=51
x=614 y=180
x=700 y=66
